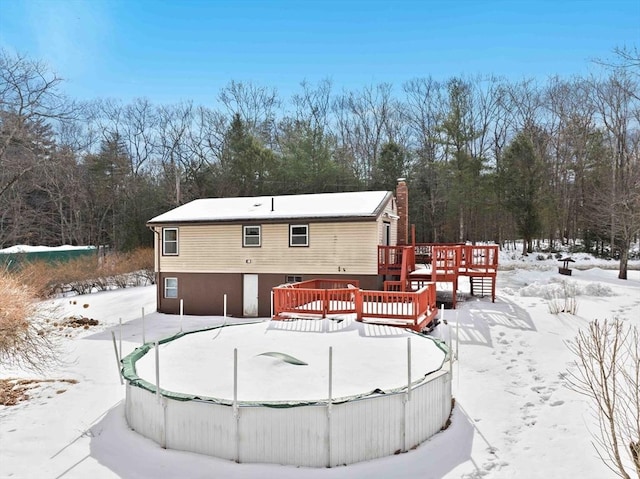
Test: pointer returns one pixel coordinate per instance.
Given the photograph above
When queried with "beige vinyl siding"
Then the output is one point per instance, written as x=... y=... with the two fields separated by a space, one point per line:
x=334 y=248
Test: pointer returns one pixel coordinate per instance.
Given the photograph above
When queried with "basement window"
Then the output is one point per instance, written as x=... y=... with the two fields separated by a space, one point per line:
x=170 y=241
x=298 y=235
x=171 y=288
x=293 y=278
x=251 y=236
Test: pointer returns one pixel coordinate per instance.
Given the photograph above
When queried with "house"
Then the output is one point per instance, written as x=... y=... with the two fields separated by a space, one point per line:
x=243 y=247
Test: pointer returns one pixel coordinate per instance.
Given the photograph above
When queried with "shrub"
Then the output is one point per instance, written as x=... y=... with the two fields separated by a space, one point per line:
x=563 y=300
x=22 y=342
x=88 y=273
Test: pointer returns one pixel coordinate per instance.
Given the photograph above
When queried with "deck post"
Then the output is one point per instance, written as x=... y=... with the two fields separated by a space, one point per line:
x=359 y=304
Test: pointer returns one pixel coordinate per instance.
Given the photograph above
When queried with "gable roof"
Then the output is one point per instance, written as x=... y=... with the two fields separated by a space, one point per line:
x=362 y=204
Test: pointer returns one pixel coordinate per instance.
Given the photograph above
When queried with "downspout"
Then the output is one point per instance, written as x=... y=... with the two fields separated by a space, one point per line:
x=156 y=247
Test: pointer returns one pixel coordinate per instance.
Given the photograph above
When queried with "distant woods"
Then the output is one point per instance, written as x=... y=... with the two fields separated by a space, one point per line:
x=485 y=158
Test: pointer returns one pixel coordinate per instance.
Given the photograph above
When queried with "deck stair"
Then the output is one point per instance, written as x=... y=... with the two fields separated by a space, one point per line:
x=480 y=286
x=443 y=263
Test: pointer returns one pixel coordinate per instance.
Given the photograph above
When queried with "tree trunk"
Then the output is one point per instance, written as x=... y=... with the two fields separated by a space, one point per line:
x=624 y=262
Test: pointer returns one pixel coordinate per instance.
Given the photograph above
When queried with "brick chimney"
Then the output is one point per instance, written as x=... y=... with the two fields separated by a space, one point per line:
x=402 y=200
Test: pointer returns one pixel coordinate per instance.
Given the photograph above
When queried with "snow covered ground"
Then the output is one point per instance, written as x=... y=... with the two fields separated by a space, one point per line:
x=514 y=416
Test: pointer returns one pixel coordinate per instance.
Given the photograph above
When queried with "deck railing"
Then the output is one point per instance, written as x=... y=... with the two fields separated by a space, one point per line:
x=413 y=309
x=424 y=251
x=479 y=259
x=315 y=297
x=390 y=259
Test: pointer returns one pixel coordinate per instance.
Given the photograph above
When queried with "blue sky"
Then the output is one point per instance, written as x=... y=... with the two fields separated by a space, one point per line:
x=170 y=51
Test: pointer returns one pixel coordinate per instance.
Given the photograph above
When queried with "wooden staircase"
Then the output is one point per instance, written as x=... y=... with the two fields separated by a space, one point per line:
x=447 y=262
x=481 y=286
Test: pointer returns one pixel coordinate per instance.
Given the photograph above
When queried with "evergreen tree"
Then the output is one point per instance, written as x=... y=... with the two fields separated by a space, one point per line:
x=246 y=165
x=390 y=166
x=306 y=164
x=520 y=177
x=106 y=178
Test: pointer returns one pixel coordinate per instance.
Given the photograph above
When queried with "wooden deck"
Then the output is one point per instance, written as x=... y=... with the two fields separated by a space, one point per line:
x=443 y=263
x=408 y=300
x=333 y=298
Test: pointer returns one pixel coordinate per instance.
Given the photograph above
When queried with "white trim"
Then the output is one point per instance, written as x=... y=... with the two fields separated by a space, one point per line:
x=165 y=242
x=167 y=287
x=291 y=235
x=244 y=236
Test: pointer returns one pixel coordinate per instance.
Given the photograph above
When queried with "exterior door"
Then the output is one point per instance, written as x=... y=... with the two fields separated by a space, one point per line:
x=386 y=234
x=250 y=295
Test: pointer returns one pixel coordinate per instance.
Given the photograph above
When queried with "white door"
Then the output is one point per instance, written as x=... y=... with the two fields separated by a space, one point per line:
x=250 y=295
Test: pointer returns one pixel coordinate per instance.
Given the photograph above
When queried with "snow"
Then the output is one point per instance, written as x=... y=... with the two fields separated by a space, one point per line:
x=360 y=364
x=514 y=415
x=23 y=248
x=321 y=205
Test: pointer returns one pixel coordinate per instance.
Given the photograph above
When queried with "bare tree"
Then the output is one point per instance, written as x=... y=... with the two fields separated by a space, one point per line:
x=619 y=112
x=607 y=371
x=29 y=92
x=366 y=120
x=30 y=100
x=256 y=106
x=424 y=111
x=174 y=126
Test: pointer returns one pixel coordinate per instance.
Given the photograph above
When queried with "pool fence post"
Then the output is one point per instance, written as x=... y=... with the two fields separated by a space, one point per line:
x=224 y=305
x=329 y=403
x=409 y=369
x=457 y=335
x=157 y=346
x=143 y=338
x=181 y=313
x=236 y=410
x=115 y=350
x=272 y=303
x=458 y=351
x=450 y=341
x=120 y=338
x=407 y=398
x=163 y=440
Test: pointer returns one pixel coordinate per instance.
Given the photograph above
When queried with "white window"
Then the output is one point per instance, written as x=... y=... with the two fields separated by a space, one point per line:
x=171 y=287
x=298 y=235
x=292 y=278
x=251 y=236
x=169 y=241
